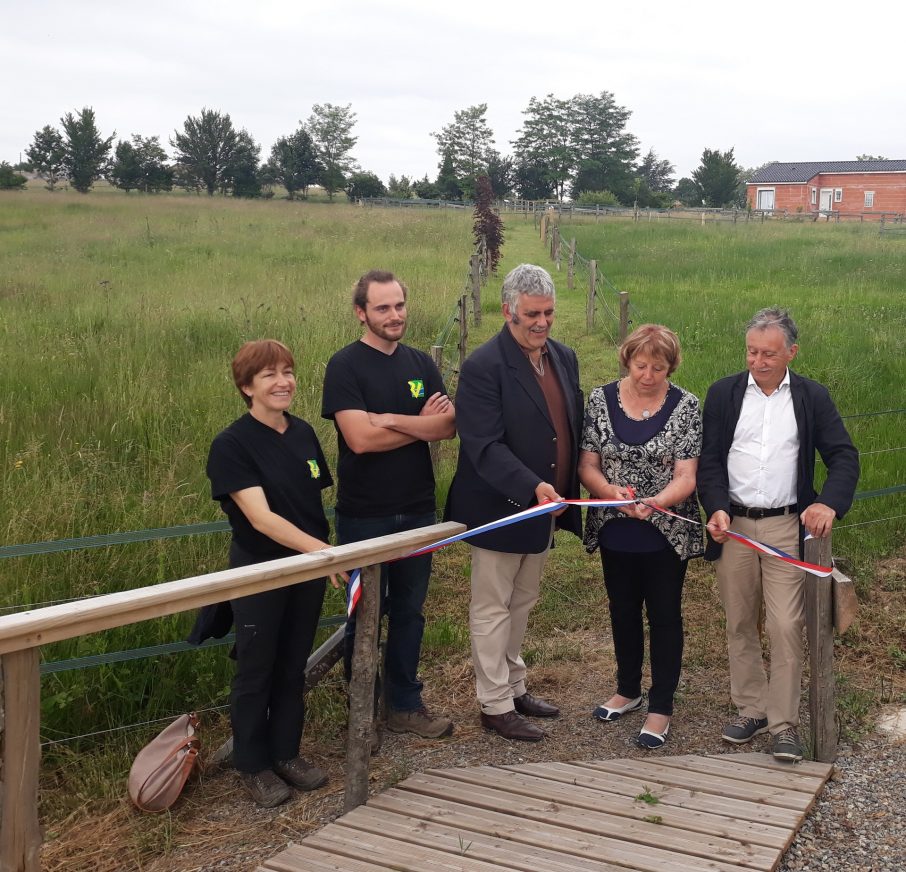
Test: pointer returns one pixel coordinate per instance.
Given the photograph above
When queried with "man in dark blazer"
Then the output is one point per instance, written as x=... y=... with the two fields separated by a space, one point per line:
x=519 y=410
x=756 y=476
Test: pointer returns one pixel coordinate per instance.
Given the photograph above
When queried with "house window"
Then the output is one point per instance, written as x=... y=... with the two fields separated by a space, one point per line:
x=814 y=196
x=764 y=199
x=869 y=199
x=838 y=195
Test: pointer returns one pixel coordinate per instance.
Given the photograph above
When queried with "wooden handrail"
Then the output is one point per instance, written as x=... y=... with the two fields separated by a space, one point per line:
x=22 y=634
x=52 y=624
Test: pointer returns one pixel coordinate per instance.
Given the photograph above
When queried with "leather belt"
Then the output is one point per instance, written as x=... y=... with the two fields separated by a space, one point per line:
x=758 y=514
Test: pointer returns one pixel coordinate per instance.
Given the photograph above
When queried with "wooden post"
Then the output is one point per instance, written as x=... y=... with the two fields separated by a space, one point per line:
x=624 y=316
x=544 y=226
x=20 y=833
x=590 y=305
x=571 y=265
x=475 y=277
x=463 y=329
x=437 y=355
x=819 y=622
x=361 y=689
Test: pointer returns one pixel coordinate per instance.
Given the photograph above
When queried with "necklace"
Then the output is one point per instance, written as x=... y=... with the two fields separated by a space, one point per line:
x=539 y=366
x=646 y=413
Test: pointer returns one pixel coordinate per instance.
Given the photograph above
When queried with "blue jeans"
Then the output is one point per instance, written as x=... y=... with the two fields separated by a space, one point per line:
x=404 y=585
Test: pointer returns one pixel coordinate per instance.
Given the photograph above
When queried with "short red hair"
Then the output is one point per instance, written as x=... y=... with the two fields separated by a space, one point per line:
x=255 y=356
x=653 y=339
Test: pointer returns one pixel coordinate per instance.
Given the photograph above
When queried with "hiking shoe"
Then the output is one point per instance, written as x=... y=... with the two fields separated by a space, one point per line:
x=787 y=745
x=421 y=722
x=742 y=729
x=301 y=774
x=265 y=787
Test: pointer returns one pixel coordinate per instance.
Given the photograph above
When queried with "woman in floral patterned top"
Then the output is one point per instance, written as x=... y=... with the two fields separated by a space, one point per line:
x=642 y=438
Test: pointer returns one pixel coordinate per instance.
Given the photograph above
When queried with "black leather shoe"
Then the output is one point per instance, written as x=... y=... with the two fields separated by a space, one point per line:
x=534 y=707
x=512 y=725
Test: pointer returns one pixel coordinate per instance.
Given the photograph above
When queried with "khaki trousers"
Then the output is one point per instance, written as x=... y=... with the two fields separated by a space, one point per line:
x=746 y=578
x=504 y=589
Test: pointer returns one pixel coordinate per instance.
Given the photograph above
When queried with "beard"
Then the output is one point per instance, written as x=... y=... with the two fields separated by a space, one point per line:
x=383 y=332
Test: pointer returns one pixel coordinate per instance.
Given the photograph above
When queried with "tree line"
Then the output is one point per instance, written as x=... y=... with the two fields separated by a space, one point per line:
x=577 y=148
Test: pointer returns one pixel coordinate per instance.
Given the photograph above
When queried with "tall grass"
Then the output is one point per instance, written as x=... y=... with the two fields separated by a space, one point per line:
x=118 y=319
x=844 y=285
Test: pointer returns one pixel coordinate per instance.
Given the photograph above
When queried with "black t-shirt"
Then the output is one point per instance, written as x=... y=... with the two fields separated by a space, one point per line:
x=379 y=483
x=291 y=469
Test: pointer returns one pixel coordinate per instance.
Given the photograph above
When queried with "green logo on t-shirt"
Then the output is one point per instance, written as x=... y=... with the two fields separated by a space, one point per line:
x=314 y=468
x=417 y=387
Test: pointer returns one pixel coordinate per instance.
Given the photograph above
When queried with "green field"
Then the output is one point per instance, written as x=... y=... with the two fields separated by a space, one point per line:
x=844 y=285
x=119 y=315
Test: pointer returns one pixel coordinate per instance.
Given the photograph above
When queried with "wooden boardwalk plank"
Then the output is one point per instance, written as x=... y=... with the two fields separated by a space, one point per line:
x=665 y=774
x=601 y=799
x=643 y=832
x=577 y=832
x=492 y=848
x=788 y=778
x=632 y=786
x=718 y=813
x=766 y=761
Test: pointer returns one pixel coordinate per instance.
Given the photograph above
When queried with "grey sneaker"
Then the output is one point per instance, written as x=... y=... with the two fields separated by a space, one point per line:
x=787 y=745
x=742 y=730
x=265 y=787
x=301 y=774
x=421 y=722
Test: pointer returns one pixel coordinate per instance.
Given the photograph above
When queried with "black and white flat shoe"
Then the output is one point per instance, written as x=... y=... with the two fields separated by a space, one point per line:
x=602 y=713
x=651 y=740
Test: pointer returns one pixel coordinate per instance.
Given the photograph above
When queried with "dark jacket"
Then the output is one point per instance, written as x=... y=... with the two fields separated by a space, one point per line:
x=507 y=443
x=820 y=429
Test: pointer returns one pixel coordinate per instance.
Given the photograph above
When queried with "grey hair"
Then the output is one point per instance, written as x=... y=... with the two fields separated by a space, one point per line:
x=528 y=280
x=775 y=317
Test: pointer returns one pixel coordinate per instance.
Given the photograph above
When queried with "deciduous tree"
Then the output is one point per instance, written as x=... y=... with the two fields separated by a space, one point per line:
x=364 y=184
x=399 y=188
x=140 y=165
x=330 y=127
x=46 y=155
x=544 y=153
x=468 y=143
x=501 y=175
x=688 y=192
x=85 y=151
x=487 y=225
x=204 y=150
x=294 y=163
x=717 y=177
x=241 y=177
x=10 y=180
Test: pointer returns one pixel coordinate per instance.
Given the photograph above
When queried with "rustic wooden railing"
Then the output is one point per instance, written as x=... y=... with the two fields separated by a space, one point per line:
x=23 y=634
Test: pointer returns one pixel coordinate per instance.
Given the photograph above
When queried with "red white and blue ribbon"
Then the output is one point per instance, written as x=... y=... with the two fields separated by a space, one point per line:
x=354 y=589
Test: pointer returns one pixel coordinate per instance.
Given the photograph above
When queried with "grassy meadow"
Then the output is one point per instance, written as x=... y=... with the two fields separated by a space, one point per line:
x=118 y=319
x=844 y=286
x=119 y=315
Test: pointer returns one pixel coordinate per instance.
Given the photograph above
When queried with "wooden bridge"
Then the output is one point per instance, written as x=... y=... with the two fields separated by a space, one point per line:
x=721 y=813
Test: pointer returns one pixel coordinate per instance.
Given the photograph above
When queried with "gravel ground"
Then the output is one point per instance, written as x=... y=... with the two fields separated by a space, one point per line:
x=856 y=825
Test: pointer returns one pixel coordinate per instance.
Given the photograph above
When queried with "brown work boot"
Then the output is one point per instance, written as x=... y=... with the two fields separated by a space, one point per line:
x=511 y=725
x=301 y=774
x=265 y=787
x=421 y=722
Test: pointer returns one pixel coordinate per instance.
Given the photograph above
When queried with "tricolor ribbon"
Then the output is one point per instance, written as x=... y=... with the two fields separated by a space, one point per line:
x=354 y=589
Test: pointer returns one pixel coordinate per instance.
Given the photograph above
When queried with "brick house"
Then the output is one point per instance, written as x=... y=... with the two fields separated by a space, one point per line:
x=867 y=186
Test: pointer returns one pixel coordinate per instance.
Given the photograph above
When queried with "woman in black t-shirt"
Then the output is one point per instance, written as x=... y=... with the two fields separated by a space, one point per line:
x=267 y=471
x=642 y=438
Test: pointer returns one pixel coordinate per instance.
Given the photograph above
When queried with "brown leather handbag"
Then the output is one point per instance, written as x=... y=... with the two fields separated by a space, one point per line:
x=163 y=766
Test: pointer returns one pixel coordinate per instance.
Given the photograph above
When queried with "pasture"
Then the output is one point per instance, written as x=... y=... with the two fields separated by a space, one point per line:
x=119 y=315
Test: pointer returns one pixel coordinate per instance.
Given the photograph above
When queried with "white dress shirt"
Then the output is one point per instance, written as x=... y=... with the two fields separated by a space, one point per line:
x=762 y=461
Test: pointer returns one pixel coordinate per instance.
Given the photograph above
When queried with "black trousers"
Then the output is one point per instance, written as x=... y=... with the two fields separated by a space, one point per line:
x=275 y=632
x=653 y=580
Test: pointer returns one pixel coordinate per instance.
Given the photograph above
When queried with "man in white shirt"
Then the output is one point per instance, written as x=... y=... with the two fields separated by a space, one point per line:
x=756 y=477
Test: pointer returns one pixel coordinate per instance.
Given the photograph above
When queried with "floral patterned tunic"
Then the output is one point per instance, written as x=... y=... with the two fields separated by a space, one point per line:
x=648 y=468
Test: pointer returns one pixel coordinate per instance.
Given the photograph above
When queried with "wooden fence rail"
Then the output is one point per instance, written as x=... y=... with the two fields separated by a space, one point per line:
x=23 y=634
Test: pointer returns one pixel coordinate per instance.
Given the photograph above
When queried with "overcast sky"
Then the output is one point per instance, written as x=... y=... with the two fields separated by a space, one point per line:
x=787 y=81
